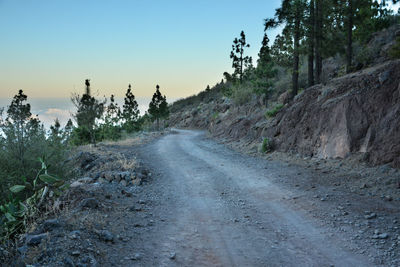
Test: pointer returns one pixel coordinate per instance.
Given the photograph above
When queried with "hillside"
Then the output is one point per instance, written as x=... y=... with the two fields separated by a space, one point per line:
x=355 y=113
x=345 y=115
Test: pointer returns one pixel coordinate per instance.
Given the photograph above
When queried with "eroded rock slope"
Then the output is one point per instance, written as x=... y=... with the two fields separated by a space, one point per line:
x=355 y=113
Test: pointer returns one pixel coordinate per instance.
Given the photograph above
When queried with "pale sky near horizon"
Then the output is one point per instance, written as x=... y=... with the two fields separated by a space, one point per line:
x=48 y=48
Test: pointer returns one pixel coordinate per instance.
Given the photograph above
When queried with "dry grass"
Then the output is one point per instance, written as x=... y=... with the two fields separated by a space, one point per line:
x=125 y=142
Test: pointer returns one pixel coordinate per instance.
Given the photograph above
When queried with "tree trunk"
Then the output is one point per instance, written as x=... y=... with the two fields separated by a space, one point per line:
x=158 y=124
x=311 y=45
x=295 y=74
x=241 y=65
x=349 y=36
x=92 y=136
x=318 y=41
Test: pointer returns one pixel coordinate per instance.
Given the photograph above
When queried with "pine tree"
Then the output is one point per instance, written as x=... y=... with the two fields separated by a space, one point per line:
x=89 y=110
x=130 y=113
x=292 y=14
x=56 y=132
x=319 y=24
x=20 y=129
x=239 y=61
x=68 y=129
x=113 y=113
x=110 y=128
x=265 y=70
x=349 y=51
x=311 y=41
x=158 y=107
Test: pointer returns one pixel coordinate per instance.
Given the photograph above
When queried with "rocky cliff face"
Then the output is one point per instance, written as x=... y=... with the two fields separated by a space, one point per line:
x=359 y=112
x=356 y=113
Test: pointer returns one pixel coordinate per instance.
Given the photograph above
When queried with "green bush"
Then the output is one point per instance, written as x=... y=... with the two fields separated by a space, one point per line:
x=266 y=145
x=242 y=93
x=109 y=132
x=272 y=112
x=395 y=50
x=16 y=213
x=80 y=136
x=215 y=115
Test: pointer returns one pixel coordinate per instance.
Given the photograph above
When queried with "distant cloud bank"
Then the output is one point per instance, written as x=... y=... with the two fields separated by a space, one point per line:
x=49 y=109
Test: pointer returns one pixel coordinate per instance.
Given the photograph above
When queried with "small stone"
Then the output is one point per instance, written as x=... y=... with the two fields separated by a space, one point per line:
x=85 y=180
x=172 y=255
x=141 y=201
x=137 y=181
x=383 y=236
x=370 y=216
x=108 y=176
x=76 y=253
x=388 y=198
x=90 y=203
x=127 y=194
x=50 y=224
x=363 y=186
x=136 y=257
x=102 y=181
x=105 y=235
x=75 y=234
x=133 y=208
x=68 y=262
x=22 y=250
x=34 y=240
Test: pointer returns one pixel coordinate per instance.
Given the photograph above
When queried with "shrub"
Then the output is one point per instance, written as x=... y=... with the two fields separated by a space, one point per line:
x=266 y=145
x=272 y=112
x=16 y=213
x=215 y=115
x=242 y=93
x=394 y=52
x=80 y=136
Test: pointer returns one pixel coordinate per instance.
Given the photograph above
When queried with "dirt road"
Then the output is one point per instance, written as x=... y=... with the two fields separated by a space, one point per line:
x=214 y=207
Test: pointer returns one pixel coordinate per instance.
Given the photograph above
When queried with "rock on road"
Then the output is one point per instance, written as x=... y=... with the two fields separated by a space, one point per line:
x=216 y=207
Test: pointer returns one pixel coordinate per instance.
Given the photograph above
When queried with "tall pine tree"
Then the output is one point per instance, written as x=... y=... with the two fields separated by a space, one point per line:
x=292 y=13
x=265 y=70
x=130 y=112
x=239 y=61
x=89 y=111
x=158 y=107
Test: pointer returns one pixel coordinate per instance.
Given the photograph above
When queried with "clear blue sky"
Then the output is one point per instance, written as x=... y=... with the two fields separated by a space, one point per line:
x=48 y=47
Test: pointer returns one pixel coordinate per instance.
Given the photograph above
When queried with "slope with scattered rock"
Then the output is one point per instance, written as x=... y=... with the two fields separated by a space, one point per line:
x=356 y=113
x=91 y=223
